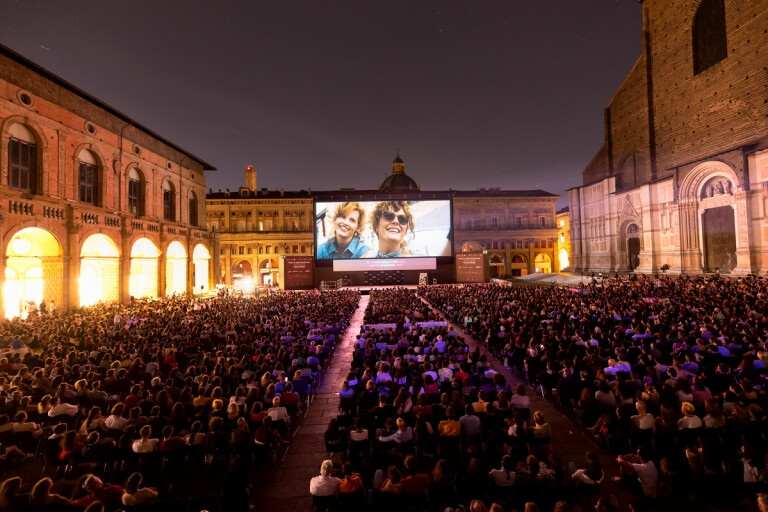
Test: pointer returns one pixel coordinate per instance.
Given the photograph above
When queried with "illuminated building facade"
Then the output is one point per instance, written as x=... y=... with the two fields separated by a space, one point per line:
x=96 y=207
x=681 y=181
x=563 y=238
x=257 y=227
x=517 y=230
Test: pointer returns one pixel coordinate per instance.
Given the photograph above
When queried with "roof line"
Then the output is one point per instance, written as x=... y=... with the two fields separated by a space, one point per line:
x=79 y=92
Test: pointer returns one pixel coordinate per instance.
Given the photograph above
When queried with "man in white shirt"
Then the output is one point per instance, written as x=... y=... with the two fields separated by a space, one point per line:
x=60 y=408
x=403 y=434
x=152 y=367
x=440 y=345
x=278 y=413
x=324 y=484
x=638 y=464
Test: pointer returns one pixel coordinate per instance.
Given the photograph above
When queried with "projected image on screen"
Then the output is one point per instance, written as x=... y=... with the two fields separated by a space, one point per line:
x=382 y=229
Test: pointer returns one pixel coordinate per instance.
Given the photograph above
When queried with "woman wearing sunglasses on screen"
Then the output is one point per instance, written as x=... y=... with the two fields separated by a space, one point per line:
x=344 y=240
x=391 y=221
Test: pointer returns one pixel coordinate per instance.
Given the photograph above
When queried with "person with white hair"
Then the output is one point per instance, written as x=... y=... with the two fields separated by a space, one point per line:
x=325 y=484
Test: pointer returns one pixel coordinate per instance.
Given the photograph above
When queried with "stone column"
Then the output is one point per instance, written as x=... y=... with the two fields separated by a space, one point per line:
x=531 y=257
x=190 y=264
x=161 y=262
x=71 y=268
x=228 y=264
x=555 y=258
x=507 y=258
x=3 y=263
x=743 y=234
x=690 y=247
x=125 y=262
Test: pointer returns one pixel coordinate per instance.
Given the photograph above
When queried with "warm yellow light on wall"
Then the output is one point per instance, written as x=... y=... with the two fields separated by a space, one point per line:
x=21 y=246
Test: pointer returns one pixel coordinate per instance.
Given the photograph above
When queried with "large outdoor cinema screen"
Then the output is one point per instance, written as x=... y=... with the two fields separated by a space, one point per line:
x=369 y=230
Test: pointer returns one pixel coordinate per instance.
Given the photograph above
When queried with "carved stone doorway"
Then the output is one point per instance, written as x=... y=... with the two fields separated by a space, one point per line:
x=719 y=231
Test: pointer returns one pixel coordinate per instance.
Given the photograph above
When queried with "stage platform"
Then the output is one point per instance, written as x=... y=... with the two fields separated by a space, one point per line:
x=366 y=290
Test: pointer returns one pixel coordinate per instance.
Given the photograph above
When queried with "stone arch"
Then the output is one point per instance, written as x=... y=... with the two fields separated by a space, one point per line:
x=175 y=268
x=268 y=278
x=169 y=199
x=34 y=269
x=497 y=264
x=144 y=274
x=692 y=185
x=200 y=261
x=138 y=206
x=242 y=273
x=709 y=39
x=519 y=258
x=693 y=6
x=85 y=234
x=630 y=227
x=99 y=269
x=138 y=235
x=58 y=233
x=713 y=219
x=631 y=166
x=193 y=206
x=41 y=143
x=632 y=244
x=101 y=195
x=543 y=263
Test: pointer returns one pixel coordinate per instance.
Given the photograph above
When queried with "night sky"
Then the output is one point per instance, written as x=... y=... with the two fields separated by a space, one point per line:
x=320 y=94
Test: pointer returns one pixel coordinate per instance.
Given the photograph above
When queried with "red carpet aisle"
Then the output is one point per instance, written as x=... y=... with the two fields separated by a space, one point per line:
x=286 y=487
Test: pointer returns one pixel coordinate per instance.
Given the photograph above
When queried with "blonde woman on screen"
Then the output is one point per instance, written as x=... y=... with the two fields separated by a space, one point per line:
x=344 y=240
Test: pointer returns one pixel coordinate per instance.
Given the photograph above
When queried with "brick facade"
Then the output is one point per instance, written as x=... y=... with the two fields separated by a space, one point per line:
x=680 y=143
x=66 y=129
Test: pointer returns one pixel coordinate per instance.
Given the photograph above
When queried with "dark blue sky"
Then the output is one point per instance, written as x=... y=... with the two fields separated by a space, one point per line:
x=475 y=93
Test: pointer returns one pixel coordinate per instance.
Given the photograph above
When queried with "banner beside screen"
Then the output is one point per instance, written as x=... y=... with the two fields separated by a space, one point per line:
x=298 y=272
x=470 y=267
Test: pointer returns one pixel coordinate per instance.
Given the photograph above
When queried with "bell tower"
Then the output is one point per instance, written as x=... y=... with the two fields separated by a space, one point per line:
x=250 y=178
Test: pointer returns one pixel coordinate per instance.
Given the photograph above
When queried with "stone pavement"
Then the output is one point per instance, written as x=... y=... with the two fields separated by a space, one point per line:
x=286 y=487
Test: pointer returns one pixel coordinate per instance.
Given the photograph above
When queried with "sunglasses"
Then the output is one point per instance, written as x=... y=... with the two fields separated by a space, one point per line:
x=390 y=216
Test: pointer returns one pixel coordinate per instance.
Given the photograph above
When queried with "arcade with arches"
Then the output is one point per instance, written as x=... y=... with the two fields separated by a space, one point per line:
x=33 y=271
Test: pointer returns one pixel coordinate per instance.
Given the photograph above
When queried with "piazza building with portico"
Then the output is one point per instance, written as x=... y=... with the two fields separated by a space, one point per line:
x=517 y=231
x=96 y=207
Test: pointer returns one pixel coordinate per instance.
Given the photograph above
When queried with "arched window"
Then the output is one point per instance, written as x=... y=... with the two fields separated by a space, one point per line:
x=710 y=45
x=22 y=159
x=169 y=201
x=88 y=178
x=192 y=199
x=135 y=193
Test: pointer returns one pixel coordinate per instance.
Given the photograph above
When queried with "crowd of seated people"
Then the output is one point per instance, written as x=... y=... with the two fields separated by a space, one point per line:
x=160 y=404
x=426 y=424
x=669 y=374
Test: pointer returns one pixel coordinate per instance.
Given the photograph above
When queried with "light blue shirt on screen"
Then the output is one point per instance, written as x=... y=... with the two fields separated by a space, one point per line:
x=329 y=251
